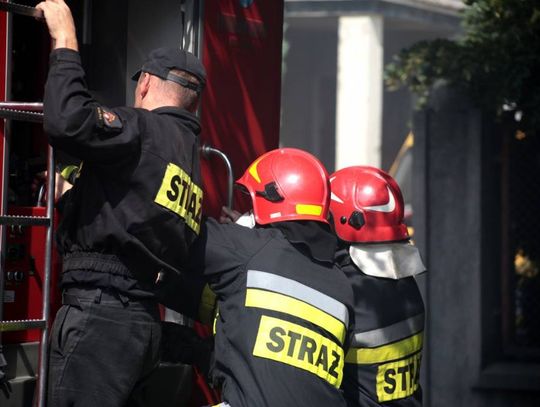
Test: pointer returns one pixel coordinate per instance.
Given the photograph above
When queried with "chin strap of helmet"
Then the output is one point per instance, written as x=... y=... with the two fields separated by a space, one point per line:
x=270 y=193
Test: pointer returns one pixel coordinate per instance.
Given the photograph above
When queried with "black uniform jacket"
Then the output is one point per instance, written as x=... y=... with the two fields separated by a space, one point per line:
x=383 y=364
x=283 y=323
x=136 y=206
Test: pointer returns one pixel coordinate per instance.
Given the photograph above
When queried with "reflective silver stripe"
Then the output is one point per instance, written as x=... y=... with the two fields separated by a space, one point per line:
x=294 y=289
x=390 y=333
x=224 y=404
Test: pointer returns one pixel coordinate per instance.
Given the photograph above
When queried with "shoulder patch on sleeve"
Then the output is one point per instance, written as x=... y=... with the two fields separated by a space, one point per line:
x=108 y=119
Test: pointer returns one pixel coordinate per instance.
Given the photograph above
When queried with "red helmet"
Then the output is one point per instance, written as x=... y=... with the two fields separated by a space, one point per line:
x=367 y=205
x=287 y=184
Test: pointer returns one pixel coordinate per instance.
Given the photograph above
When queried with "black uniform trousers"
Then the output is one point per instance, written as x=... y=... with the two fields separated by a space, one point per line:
x=103 y=348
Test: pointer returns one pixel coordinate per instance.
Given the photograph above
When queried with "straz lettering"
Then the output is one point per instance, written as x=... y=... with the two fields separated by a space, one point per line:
x=300 y=347
x=179 y=194
x=398 y=379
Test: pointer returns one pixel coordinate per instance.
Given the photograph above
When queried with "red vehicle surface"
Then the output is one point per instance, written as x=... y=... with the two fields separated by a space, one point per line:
x=239 y=42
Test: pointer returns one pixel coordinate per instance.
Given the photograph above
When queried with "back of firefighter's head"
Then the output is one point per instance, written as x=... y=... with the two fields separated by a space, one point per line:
x=367 y=206
x=169 y=77
x=287 y=184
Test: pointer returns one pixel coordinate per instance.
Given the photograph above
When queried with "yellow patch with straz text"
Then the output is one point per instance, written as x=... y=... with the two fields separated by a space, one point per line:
x=399 y=379
x=182 y=196
x=292 y=344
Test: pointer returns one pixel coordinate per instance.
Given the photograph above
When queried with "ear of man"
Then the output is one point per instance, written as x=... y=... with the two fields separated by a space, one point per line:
x=144 y=84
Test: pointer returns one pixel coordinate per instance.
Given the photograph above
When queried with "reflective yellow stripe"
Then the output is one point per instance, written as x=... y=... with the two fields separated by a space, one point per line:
x=292 y=344
x=292 y=288
x=181 y=195
x=304 y=209
x=215 y=322
x=385 y=353
x=253 y=170
x=207 y=306
x=291 y=306
x=390 y=333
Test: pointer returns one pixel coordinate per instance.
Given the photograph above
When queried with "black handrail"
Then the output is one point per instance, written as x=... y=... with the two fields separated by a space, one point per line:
x=22 y=10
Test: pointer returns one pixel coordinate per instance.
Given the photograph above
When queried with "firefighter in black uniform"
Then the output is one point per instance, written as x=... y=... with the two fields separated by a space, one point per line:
x=282 y=329
x=128 y=221
x=383 y=365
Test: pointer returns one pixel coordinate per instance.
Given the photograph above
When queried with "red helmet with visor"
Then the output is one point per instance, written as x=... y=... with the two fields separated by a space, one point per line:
x=287 y=184
x=367 y=205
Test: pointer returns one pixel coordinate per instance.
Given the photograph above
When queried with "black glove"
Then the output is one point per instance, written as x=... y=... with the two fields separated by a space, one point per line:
x=228 y=215
x=181 y=344
x=5 y=386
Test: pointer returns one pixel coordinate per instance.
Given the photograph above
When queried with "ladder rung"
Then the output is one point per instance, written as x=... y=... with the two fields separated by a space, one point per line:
x=36 y=107
x=24 y=220
x=21 y=115
x=21 y=9
x=21 y=325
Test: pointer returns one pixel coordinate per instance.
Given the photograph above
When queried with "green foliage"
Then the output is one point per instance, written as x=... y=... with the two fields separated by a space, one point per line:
x=496 y=61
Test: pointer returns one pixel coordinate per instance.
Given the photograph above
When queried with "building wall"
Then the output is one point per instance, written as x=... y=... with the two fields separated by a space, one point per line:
x=449 y=230
x=308 y=101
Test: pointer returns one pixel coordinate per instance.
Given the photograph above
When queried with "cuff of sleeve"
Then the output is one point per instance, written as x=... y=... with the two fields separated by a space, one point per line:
x=64 y=55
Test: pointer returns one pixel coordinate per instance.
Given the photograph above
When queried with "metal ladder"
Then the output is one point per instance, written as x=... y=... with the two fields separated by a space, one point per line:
x=28 y=112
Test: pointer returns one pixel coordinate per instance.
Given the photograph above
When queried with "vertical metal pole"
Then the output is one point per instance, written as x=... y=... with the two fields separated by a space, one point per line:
x=5 y=166
x=87 y=23
x=3 y=211
x=44 y=345
x=4 y=179
x=193 y=28
x=199 y=15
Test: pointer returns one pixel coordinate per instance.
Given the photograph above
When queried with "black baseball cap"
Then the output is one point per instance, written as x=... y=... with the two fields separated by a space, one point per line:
x=161 y=61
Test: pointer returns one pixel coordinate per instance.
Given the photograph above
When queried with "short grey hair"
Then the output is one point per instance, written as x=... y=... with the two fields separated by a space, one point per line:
x=179 y=95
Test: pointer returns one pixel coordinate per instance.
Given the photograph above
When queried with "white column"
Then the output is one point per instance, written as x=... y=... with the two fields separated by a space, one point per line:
x=359 y=91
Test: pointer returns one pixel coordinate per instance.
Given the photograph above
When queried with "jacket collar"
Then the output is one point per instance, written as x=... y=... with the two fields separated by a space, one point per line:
x=312 y=238
x=189 y=119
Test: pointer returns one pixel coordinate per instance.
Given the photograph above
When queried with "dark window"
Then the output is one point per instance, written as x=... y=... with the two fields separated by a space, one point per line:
x=520 y=241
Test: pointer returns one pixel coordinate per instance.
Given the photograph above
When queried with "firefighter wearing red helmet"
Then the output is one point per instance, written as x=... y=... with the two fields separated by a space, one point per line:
x=282 y=330
x=382 y=365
